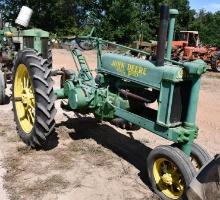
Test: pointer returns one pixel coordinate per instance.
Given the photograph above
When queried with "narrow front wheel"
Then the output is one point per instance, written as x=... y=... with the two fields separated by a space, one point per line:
x=170 y=172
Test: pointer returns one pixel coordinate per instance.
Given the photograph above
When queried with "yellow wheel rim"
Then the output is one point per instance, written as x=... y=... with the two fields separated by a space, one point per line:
x=24 y=99
x=168 y=178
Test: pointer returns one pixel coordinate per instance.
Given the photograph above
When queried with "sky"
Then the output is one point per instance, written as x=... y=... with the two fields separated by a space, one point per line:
x=208 y=5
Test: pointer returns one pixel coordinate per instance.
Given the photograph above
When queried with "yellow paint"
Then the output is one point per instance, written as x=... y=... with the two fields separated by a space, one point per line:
x=119 y=66
x=183 y=74
x=8 y=34
x=168 y=178
x=136 y=71
x=24 y=98
x=128 y=69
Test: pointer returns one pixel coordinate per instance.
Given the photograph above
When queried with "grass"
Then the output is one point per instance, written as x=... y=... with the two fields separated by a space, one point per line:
x=14 y=196
x=144 y=140
x=2 y=133
x=62 y=159
x=94 y=154
x=13 y=138
x=25 y=163
x=77 y=184
x=24 y=149
x=85 y=147
x=63 y=132
x=52 y=183
x=12 y=163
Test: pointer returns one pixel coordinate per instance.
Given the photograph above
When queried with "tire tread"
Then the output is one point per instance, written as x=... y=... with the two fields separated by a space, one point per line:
x=45 y=110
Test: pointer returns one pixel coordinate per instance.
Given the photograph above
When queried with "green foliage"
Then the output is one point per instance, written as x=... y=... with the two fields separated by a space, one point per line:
x=117 y=20
x=58 y=16
x=208 y=25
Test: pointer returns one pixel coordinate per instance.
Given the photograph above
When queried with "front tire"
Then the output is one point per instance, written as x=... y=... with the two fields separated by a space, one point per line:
x=33 y=98
x=50 y=57
x=169 y=172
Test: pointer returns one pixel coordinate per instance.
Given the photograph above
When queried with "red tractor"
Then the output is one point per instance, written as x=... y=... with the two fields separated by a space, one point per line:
x=189 y=47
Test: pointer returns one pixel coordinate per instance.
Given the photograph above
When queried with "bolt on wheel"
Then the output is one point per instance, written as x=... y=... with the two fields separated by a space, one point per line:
x=24 y=98
x=168 y=178
x=169 y=172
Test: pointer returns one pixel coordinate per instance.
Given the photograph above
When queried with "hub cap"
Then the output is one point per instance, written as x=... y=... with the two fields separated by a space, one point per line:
x=168 y=178
x=24 y=99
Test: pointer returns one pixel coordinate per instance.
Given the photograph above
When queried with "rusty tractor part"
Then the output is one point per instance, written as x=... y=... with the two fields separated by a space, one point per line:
x=14 y=39
x=188 y=47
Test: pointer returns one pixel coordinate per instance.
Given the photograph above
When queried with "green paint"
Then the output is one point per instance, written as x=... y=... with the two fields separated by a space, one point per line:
x=193 y=101
x=18 y=36
x=177 y=84
x=173 y=13
x=34 y=32
x=60 y=93
x=139 y=71
x=197 y=67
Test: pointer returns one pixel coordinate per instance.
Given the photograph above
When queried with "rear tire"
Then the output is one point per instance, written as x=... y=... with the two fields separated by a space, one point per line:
x=170 y=172
x=33 y=98
x=50 y=58
x=215 y=62
x=2 y=88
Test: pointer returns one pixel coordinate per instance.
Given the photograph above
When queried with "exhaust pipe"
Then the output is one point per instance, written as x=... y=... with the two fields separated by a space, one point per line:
x=173 y=14
x=24 y=16
x=1 y=21
x=162 y=37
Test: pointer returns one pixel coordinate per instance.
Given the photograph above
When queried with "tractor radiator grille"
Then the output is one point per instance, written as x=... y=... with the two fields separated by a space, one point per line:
x=180 y=101
x=28 y=42
x=44 y=49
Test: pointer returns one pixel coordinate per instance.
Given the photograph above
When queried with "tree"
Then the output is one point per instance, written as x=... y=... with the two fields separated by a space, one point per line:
x=208 y=25
x=58 y=16
x=122 y=21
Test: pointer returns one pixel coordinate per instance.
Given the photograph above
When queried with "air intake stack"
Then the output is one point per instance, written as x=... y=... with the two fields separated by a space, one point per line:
x=162 y=37
x=24 y=16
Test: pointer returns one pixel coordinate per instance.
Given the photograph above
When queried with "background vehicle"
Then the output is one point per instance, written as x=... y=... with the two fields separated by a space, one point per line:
x=13 y=39
x=189 y=47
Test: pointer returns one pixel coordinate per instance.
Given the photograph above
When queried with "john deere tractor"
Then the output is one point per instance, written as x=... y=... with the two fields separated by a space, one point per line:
x=14 y=39
x=122 y=93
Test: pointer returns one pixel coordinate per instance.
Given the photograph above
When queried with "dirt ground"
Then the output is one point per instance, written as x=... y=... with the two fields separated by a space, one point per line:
x=91 y=160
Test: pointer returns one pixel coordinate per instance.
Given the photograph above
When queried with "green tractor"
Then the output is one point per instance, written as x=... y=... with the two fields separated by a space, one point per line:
x=121 y=93
x=14 y=39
